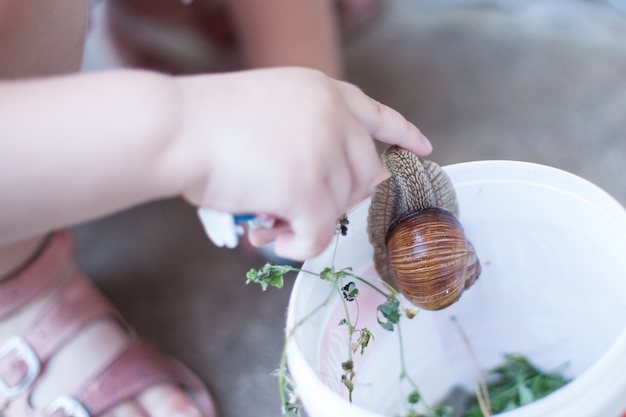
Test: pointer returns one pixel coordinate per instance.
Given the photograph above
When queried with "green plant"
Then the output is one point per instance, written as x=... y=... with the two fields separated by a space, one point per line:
x=514 y=384
x=344 y=283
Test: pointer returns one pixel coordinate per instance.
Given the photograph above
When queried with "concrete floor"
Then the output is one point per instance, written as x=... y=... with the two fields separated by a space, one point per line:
x=542 y=82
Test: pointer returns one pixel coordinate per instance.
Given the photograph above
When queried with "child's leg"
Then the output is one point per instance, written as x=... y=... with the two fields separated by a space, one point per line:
x=54 y=323
x=352 y=14
x=210 y=35
x=279 y=33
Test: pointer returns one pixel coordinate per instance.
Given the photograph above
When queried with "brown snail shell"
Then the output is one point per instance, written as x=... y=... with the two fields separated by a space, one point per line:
x=432 y=260
x=419 y=244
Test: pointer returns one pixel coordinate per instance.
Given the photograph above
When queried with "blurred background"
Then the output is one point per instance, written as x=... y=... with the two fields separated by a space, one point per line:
x=539 y=81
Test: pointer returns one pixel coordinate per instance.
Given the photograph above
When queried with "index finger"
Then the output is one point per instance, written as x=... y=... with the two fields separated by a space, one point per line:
x=384 y=123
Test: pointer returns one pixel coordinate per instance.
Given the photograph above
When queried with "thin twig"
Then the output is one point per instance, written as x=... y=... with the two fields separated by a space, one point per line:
x=480 y=385
x=311 y=313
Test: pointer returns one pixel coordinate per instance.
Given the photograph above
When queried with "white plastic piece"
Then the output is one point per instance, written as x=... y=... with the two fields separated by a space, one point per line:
x=220 y=227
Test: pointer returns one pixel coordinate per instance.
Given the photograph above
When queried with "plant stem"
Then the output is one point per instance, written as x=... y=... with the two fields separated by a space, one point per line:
x=366 y=282
x=389 y=287
x=349 y=374
x=281 y=378
x=403 y=372
x=312 y=312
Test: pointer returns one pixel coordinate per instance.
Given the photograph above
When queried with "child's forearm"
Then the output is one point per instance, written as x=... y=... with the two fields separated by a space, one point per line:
x=109 y=135
x=289 y=142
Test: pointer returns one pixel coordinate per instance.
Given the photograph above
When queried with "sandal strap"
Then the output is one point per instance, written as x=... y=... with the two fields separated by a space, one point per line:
x=23 y=357
x=139 y=367
x=76 y=304
x=36 y=277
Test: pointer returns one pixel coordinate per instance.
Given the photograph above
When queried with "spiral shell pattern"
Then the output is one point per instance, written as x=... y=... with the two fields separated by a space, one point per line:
x=419 y=245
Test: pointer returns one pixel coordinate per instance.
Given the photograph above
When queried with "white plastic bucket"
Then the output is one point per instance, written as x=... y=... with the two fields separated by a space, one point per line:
x=553 y=288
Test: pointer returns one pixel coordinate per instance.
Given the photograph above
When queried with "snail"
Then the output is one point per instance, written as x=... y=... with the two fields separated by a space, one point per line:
x=419 y=244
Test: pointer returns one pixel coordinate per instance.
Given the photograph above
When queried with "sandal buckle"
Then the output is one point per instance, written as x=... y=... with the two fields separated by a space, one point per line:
x=19 y=347
x=64 y=406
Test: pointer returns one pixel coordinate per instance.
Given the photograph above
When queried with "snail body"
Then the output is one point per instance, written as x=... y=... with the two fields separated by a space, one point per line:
x=420 y=246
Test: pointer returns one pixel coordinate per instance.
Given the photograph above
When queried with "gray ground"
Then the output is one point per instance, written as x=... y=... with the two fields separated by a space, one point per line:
x=540 y=83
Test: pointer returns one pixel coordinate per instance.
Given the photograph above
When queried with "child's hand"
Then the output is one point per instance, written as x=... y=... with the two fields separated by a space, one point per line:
x=288 y=142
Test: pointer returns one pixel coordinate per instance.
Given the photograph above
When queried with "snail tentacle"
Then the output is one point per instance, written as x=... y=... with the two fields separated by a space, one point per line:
x=414 y=191
x=442 y=188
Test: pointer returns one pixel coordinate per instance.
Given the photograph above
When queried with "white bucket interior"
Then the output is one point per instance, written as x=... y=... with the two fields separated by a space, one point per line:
x=553 y=288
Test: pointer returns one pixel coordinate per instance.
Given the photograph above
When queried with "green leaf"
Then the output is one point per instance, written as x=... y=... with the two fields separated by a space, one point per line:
x=414 y=397
x=525 y=394
x=390 y=310
x=412 y=413
x=441 y=411
x=364 y=338
x=327 y=274
x=347 y=383
x=515 y=383
x=349 y=291
x=510 y=406
x=269 y=275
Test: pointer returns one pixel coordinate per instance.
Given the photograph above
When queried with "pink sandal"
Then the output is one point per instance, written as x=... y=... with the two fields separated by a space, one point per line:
x=23 y=358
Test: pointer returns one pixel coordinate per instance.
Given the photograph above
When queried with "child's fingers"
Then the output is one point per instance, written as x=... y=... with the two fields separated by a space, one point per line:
x=262 y=236
x=311 y=230
x=383 y=174
x=301 y=245
x=384 y=123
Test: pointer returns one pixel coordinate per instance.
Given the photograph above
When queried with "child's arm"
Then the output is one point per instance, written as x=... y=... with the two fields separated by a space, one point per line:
x=288 y=142
x=77 y=147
